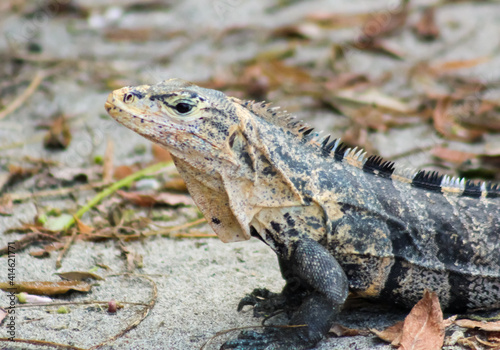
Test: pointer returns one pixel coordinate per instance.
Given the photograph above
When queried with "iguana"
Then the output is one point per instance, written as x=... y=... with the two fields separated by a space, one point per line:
x=338 y=220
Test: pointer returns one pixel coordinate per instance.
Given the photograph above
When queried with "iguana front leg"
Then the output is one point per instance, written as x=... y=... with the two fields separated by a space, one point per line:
x=314 y=268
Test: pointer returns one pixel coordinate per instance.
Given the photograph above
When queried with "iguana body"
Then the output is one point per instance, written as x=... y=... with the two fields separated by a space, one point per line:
x=337 y=220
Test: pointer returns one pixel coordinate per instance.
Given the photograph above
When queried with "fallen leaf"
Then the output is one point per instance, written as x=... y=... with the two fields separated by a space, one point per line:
x=263 y=76
x=484 y=326
x=107 y=167
x=46 y=288
x=162 y=198
x=452 y=156
x=378 y=46
x=133 y=259
x=175 y=184
x=79 y=276
x=302 y=31
x=6 y=205
x=489 y=344
x=45 y=252
x=82 y=228
x=445 y=123
x=426 y=28
x=18 y=173
x=59 y=135
x=391 y=334
x=131 y=35
x=376 y=99
x=342 y=331
x=383 y=23
x=122 y=172
x=460 y=64
x=337 y=20
x=423 y=328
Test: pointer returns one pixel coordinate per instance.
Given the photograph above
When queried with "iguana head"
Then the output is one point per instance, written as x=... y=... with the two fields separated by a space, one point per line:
x=188 y=120
x=199 y=127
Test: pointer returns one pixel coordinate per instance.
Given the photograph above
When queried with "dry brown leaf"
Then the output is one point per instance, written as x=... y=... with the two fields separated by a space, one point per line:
x=342 y=331
x=494 y=345
x=134 y=259
x=163 y=198
x=337 y=20
x=423 y=328
x=391 y=334
x=378 y=46
x=426 y=28
x=460 y=64
x=59 y=135
x=160 y=154
x=45 y=252
x=125 y=34
x=79 y=276
x=107 y=167
x=303 y=31
x=484 y=326
x=175 y=184
x=122 y=172
x=263 y=76
x=384 y=23
x=469 y=342
x=452 y=156
x=6 y=205
x=46 y=288
x=445 y=123
x=82 y=228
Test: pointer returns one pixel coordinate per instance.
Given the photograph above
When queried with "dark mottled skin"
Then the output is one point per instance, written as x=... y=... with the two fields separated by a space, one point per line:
x=337 y=221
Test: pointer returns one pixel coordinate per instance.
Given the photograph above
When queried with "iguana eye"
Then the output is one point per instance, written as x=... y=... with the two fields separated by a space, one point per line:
x=128 y=98
x=183 y=108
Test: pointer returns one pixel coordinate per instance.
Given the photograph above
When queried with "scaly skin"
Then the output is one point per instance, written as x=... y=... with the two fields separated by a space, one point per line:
x=337 y=220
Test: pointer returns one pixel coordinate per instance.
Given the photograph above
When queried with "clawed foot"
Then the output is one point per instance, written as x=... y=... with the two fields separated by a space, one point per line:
x=264 y=302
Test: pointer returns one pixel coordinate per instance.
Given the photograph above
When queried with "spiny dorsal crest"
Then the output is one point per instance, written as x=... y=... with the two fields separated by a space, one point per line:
x=376 y=165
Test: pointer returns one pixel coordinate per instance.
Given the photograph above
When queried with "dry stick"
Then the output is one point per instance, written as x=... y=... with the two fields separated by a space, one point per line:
x=18 y=101
x=174 y=228
x=107 y=168
x=88 y=302
x=28 y=239
x=65 y=249
x=57 y=192
x=42 y=342
x=139 y=319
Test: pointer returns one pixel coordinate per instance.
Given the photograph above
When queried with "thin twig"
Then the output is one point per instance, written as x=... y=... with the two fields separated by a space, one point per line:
x=18 y=197
x=107 y=168
x=65 y=249
x=88 y=302
x=27 y=240
x=19 y=100
x=174 y=228
x=42 y=342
